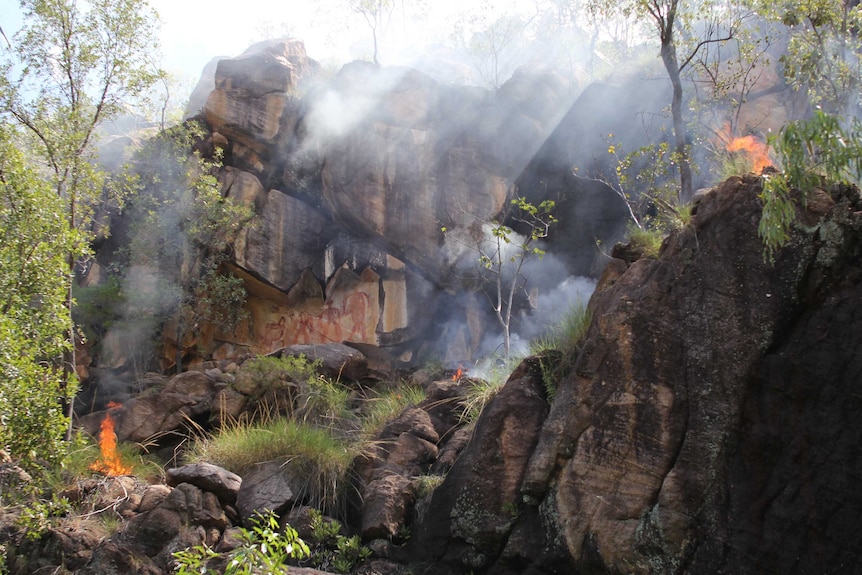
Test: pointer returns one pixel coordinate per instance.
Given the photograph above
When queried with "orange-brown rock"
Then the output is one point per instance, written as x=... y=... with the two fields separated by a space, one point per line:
x=255 y=99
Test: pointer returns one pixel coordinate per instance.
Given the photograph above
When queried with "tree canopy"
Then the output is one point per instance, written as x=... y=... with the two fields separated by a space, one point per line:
x=71 y=68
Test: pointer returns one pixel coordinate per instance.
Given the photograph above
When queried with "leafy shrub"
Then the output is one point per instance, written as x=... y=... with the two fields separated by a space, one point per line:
x=35 y=518
x=269 y=372
x=331 y=549
x=32 y=422
x=264 y=549
x=812 y=153
x=273 y=382
x=97 y=307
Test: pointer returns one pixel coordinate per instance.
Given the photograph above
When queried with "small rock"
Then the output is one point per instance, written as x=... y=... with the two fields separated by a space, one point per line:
x=271 y=485
x=385 y=505
x=224 y=484
x=152 y=497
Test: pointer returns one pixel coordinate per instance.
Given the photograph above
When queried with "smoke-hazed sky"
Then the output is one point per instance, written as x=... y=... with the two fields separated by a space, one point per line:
x=193 y=31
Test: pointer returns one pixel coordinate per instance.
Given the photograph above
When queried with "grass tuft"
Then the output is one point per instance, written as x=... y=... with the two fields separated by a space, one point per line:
x=320 y=454
x=647 y=240
x=381 y=408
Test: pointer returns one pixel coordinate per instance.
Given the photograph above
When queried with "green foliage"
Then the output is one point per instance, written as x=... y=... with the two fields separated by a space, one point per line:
x=31 y=420
x=103 y=50
x=194 y=560
x=220 y=297
x=644 y=180
x=263 y=549
x=36 y=518
x=183 y=227
x=823 y=47
x=812 y=153
x=317 y=454
x=332 y=550
x=97 y=307
x=72 y=66
x=267 y=372
x=291 y=385
x=34 y=246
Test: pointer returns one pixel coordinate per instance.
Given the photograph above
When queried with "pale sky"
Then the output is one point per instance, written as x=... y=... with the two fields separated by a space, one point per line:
x=195 y=31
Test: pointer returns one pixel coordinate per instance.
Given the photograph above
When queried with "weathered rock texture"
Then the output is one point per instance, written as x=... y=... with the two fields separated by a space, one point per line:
x=711 y=422
x=352 y=180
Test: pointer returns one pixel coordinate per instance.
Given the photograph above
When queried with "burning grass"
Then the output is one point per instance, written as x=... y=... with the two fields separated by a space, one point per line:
x=744 y=153
x=110 y=460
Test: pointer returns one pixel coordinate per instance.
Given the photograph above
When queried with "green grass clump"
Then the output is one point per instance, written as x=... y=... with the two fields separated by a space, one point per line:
x=647 y=240
x=559 y=349
x=320 y=454
x=486 y=378
x=381 y=408
x=567 y=335
x=325 y=403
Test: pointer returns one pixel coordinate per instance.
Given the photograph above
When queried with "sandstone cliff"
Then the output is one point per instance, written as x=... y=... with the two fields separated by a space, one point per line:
x=710 y=424
x=352 y=179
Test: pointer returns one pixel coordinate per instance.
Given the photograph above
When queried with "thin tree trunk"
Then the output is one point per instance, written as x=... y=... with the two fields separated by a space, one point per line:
x=69 y=358
x=668 y=56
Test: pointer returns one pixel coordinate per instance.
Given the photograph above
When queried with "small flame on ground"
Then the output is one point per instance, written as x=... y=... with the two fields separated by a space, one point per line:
x=459 y=373
x=755 y=149
x=110 y=462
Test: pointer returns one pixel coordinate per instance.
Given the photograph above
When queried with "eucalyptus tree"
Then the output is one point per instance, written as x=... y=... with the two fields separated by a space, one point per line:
x=823 y=50
x=33 y=318
x=683 y=30
x=72 y=67
x=377 y=14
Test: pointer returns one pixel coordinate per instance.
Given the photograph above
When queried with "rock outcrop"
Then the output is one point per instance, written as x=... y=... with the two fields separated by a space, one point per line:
x=353 y=179
x=710 y=423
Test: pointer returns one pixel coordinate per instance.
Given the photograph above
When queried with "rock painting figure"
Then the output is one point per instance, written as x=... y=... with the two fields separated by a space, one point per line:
x=273 y=333
x=355 y=306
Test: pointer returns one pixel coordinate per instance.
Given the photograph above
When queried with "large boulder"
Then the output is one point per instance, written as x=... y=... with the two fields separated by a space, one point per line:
x=399 y=165
x=255 y=101
x=711 y=419
x=273 y=485
x=285 y=237
x=472 y=513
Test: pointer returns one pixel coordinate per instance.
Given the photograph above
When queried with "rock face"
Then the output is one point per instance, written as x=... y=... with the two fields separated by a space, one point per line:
x=711 y=422
x=352 y=180
x=473 y=512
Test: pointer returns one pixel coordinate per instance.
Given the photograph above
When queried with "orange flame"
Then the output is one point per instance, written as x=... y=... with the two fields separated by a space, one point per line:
x=755 y=149
x=458 y=374
x=110 y=462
